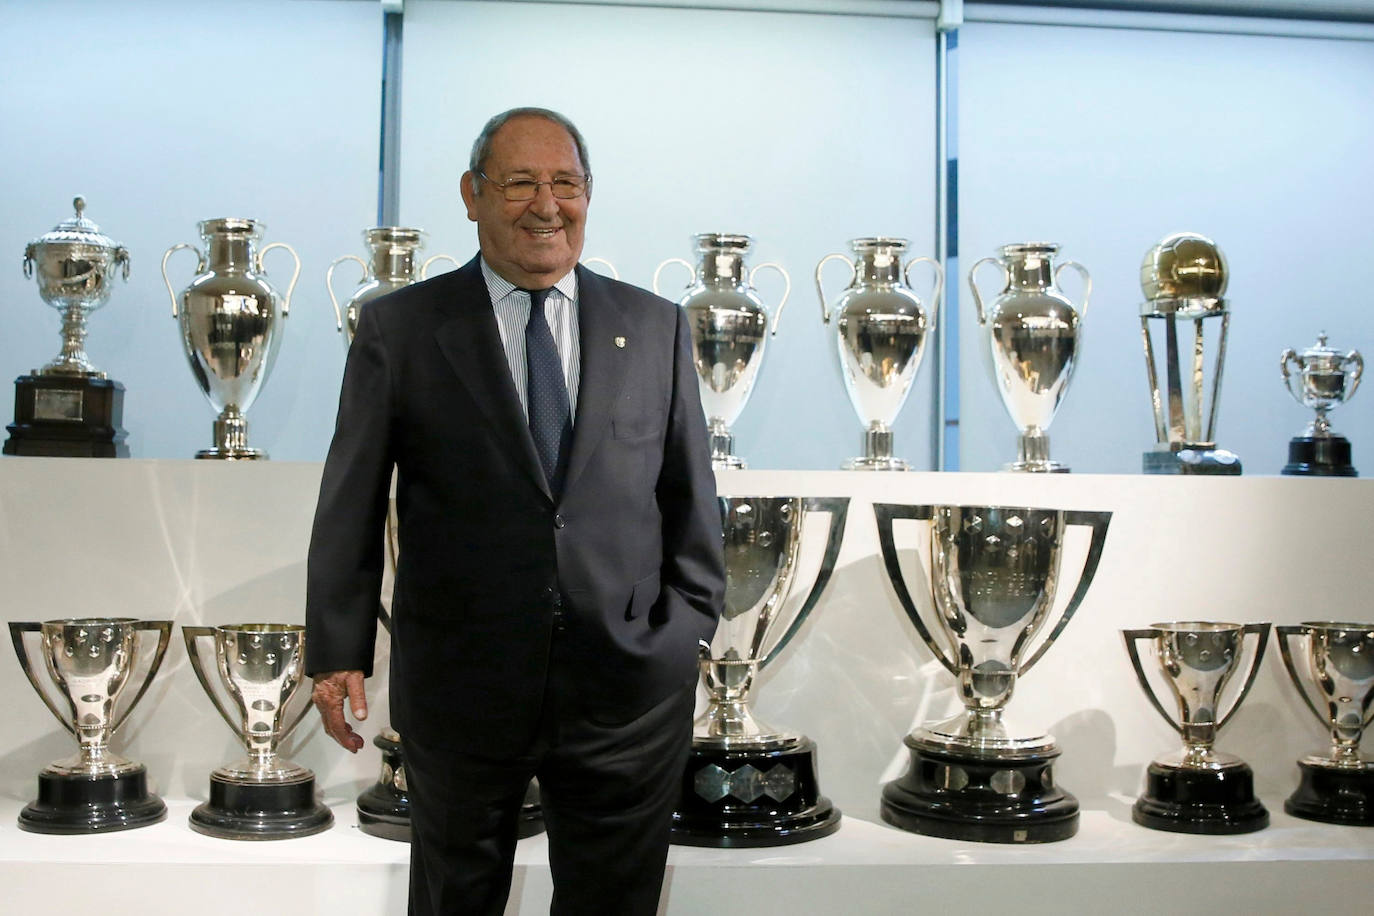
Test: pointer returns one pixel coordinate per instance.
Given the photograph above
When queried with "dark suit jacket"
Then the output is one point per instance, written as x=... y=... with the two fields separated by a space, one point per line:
x=620 y=577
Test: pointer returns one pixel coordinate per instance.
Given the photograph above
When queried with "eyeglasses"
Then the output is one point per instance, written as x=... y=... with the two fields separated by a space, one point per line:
x=565 y=188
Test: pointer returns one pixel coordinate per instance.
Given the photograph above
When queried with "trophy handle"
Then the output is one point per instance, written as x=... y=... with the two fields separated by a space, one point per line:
x=820 y=290
x=786 y=290
x=29 y=250
x=884 y=514
x=1286 y=357
x=1286 y=634
x=300 y=716
x=936 y=292
x=692 y=270
x=838 y=509
x=191 y=635
x=973 y=286
x=200 y=268
x=1353 y=357
x=291 y=287
x=1099 y=522
x=424 y=268
x=17 y=631
x=122 y=259
x=615 y=274
x=329 y=282
x=163 y=628
x=1132 y=637
x=1261 y=633
x=1087 y=282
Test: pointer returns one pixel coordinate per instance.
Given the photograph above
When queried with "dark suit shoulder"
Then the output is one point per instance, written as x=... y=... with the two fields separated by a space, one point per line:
x=638 y=301
x=428 y=303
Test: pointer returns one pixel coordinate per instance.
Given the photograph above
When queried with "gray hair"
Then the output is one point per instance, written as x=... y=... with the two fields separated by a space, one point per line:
x=481 y=147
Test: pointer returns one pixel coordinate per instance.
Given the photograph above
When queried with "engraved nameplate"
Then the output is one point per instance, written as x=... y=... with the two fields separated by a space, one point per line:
x=57 y=405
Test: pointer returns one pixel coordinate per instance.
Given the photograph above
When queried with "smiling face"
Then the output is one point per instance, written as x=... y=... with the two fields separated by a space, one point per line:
x=531 y=243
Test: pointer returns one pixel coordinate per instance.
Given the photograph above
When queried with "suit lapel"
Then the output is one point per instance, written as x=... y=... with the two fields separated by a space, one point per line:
x=600 y=322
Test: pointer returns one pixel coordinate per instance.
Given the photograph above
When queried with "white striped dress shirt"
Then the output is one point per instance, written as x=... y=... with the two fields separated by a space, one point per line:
x=512 y=308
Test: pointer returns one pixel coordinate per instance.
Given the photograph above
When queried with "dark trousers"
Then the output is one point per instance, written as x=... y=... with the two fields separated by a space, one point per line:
x=608 y=793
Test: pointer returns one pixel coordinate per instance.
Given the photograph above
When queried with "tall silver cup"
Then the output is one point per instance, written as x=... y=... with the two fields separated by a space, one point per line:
x=392 y=253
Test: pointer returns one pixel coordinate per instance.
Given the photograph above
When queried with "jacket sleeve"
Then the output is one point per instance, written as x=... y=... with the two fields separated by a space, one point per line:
x=346 y=559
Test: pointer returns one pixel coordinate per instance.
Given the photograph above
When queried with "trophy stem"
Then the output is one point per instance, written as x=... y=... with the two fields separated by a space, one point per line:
x=1033 y=453
x=723 y=455
x=877 y=451
x=231 y=438
x=73 y=359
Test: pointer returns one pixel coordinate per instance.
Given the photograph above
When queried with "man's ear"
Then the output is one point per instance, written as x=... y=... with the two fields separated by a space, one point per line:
x=467 y=186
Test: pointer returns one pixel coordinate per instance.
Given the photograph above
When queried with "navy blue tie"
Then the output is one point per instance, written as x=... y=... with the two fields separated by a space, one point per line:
x=547 y=391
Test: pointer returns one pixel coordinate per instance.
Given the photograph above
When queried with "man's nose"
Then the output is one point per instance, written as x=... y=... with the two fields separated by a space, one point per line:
x=544 y=203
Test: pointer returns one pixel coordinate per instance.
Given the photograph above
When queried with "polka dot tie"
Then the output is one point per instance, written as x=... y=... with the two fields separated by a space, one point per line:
x=547 y=390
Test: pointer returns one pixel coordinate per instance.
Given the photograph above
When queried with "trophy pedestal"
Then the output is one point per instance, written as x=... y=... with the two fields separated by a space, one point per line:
x=261 y=811
x=67 y=416
x=1208 y=801
x=983 y=799
x=1319 y=456
x=69 y=804
x=723 y=457
x=877 y=454
x=751 y=798
x=1197 y=460
x=1335 y=795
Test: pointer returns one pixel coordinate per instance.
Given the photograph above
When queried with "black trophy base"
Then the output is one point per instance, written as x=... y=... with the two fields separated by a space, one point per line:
x=60 y=416
x=1319 y=456
x=261 y=811
x=92 y=804
x=1333 y=795
x=985 y=800
x=1184 y=800
x=1197 y=460
x=752 y=798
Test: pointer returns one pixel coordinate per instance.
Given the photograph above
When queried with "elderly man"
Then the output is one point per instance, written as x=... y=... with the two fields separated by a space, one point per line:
x=561 y=546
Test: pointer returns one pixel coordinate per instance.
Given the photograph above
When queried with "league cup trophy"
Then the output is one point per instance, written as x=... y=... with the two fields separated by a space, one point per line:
x=90 y=661
x=1199 y=789
x=262 y=797
x=730 y=331
x=1325 y=378
x=992 y=574
x=391 y=264
x=746 y=782
x=231 y=328
x=1336 y=787
x=1185 y=319
x=1033 y=332
x=69 y=408
x=881 y=329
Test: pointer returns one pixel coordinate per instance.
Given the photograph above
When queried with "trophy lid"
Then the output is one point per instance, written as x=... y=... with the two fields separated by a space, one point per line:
x=1319 y=355
x=1184 y=266
x=77 y=230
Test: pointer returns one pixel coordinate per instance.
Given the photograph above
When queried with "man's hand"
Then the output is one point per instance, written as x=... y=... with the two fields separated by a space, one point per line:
x=331 y=688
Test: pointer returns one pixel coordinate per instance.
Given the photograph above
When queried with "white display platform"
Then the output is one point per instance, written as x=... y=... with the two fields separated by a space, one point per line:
x=199 y=542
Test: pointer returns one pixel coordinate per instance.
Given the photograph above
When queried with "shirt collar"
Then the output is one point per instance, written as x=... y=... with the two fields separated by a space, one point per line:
x=498 y=287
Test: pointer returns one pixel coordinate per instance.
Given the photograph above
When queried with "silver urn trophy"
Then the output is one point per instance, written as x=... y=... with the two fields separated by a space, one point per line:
x=991 y=578
x=730 y=330
x=1199 y=789
x=392 y=253
x=231 y=319
x=749 y=783
x=1184 y=321
x=260 y=797
x=881 y=331
x=69 y=408
x=1321 y=379
x=90 y=662
x=1334 y=674
x=1033 y=334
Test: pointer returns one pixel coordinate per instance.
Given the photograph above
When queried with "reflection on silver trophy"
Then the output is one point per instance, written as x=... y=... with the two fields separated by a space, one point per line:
x=1324 y=378
x=231 y=328
x=262 y=797
x=1033 y=331
x=730 y=331
x=90 y=662
x=748 y=783
x=992 y=575
x=1334 y=675
x=1199 y=789
x=881 y=330
x=1184 y=321
x=392 y=251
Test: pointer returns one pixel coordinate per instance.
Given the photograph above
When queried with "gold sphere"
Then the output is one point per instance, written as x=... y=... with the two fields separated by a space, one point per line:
x=1184 y=265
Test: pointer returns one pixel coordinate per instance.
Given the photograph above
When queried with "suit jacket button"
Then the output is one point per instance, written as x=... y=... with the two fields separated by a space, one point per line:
x=558 y=521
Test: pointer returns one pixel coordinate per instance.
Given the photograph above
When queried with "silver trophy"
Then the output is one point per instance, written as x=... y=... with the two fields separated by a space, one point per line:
x=90 y=661
x=1033 y=331
x=749 y=783
x=391 y=264
x=1184 y=321
x=261 y=797
x=231 y=328
x=881 y=330
x=1324 y=379
x=1199 y=789
x=992 y=574
x=730 y=331
x=1334 y=675
x=69 y=407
